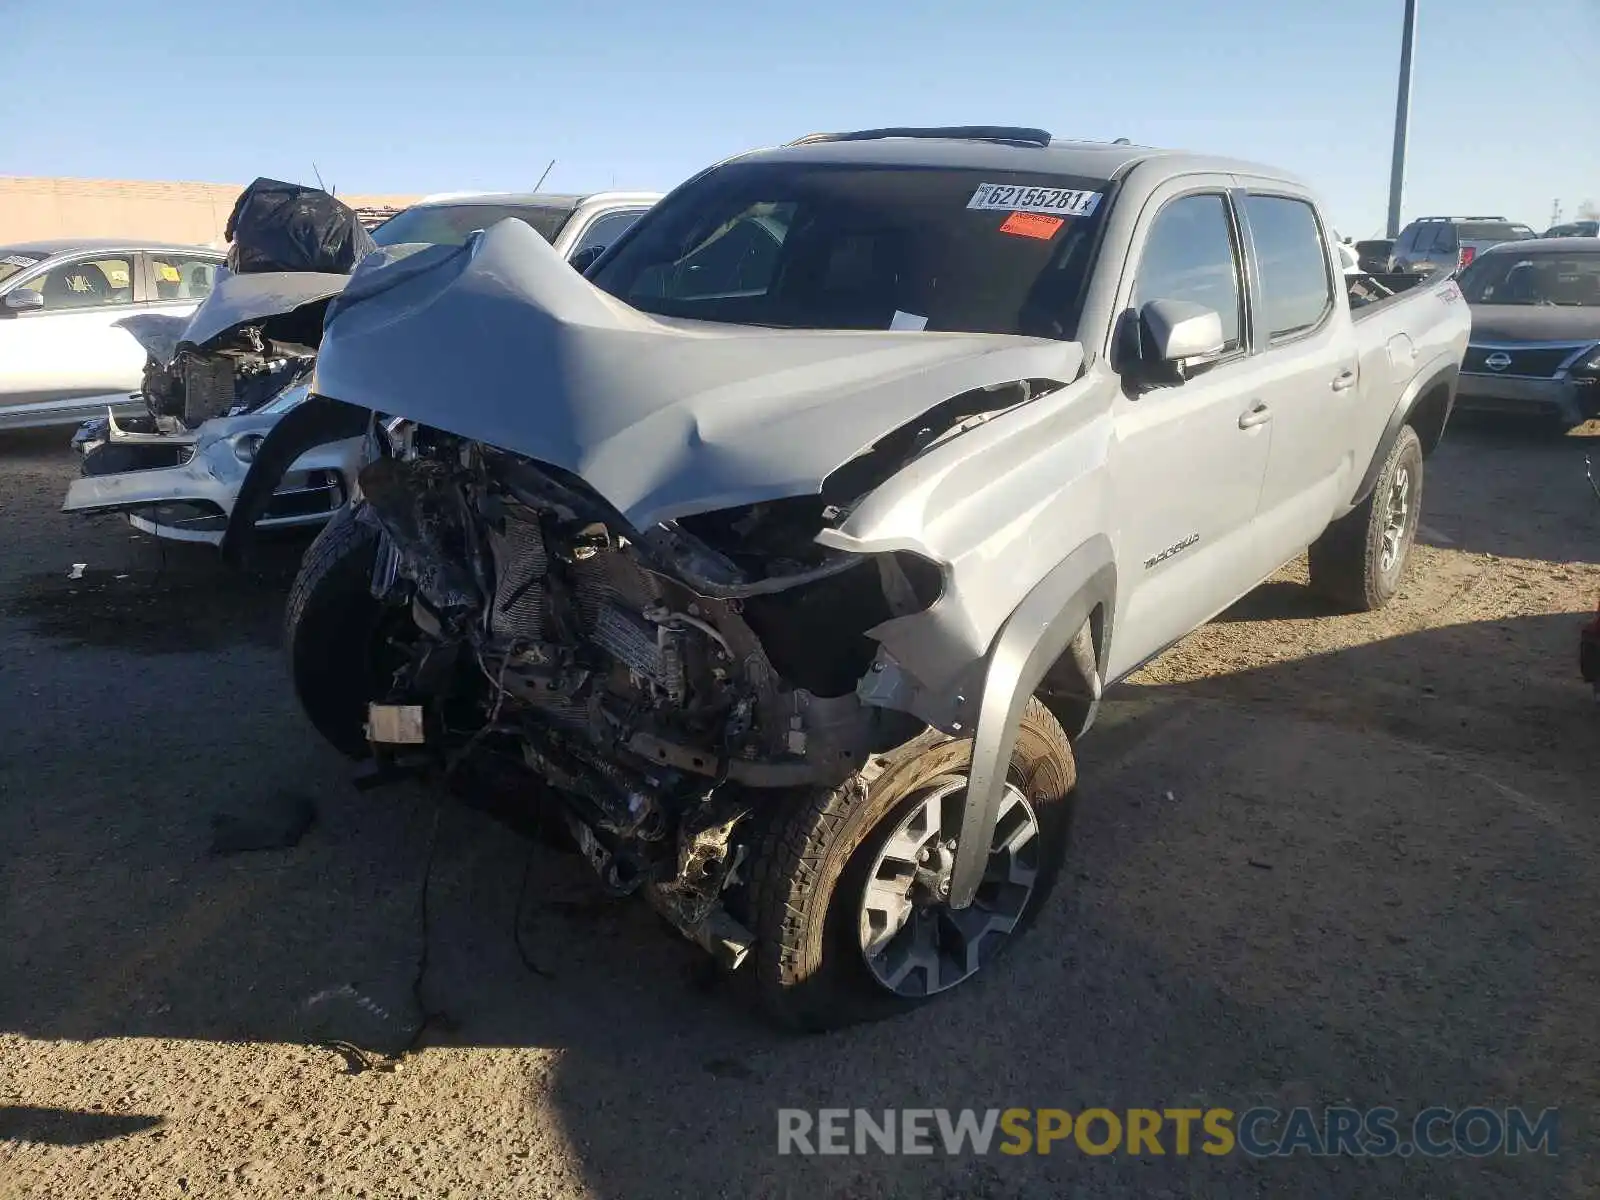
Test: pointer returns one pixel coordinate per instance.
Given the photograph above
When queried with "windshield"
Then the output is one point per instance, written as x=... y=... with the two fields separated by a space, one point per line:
x=1493 y=231
x=451 y=224
x=14 y=262
x=833 y=247
x=1569 y=280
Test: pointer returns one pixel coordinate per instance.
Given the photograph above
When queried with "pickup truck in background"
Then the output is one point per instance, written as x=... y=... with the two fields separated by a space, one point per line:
x=796 y=542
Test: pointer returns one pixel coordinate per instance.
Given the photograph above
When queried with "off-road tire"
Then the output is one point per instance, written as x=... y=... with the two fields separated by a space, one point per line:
x=807 y=869
x=1347 y=560
x=329 y=625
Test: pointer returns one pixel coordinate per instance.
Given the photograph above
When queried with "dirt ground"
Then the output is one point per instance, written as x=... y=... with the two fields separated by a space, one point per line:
x=1319 y=859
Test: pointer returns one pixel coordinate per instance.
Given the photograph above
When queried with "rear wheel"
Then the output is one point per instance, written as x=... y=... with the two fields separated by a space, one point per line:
x=850 y=884
x=1361 y=558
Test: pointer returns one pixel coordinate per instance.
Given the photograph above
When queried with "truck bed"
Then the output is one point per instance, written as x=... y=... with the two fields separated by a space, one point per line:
x=1371 y=290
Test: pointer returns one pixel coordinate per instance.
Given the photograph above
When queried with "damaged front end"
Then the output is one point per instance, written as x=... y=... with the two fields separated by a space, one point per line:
x=218 y=382
x=176 y=469
x=659 y=681
x=627 y=560
x=182 y=485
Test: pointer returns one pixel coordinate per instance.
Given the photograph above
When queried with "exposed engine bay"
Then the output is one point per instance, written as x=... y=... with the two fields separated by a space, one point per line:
x=236 y=374
x=657 y=681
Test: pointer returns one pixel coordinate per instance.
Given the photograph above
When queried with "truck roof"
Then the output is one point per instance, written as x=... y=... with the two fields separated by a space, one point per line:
x=567 y=200
x=998 y=148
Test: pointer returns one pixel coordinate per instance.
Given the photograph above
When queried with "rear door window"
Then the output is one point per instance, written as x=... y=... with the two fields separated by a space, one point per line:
x=1190 y=255
x=1296 y=289
x=181 y=276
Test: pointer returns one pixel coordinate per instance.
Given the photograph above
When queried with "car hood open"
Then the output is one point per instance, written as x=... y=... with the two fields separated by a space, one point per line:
x=501 y=342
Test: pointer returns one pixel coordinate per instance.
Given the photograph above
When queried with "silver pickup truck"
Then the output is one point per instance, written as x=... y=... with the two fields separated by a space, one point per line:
x=794 y=545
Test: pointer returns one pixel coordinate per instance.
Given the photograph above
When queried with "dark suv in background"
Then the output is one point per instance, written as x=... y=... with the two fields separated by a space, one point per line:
x=1429 y=243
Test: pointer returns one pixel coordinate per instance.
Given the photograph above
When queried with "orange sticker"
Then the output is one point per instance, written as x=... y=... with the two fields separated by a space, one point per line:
x=1034 y=225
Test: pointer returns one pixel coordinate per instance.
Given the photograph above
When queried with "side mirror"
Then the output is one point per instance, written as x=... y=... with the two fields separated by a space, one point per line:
x=1175 y=331
x=584 y=259
x=24 y=300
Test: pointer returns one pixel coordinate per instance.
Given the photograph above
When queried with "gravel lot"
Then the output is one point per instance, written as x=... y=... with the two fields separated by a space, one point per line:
x=1319 y=859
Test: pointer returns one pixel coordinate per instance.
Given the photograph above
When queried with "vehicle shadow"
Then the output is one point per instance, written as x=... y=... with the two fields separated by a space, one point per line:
x=64 y=1127
x=1313 y=883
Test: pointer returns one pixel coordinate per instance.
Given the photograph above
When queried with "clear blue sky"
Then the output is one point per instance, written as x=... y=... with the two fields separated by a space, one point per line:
x=436 y=95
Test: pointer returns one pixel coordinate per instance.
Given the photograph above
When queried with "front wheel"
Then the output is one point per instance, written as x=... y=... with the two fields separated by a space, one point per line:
x=1361 y=558
x=848 y=886
x=335 y=632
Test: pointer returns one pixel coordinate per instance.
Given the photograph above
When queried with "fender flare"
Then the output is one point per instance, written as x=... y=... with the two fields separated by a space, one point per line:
x=1447 y=371
x=1038 y=632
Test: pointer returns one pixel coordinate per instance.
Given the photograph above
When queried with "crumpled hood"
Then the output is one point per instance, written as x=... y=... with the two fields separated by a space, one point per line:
x=1534 y=323
x=501 y=342
x=158 y=333
x=235 y=300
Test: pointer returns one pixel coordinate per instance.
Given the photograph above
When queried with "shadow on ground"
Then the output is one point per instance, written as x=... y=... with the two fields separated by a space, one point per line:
x=64 y=1127
x=1361 y=878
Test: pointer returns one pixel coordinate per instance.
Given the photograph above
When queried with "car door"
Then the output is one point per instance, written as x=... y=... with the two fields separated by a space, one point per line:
x=1304 y=370
x=1188 y=460
x=68 y=354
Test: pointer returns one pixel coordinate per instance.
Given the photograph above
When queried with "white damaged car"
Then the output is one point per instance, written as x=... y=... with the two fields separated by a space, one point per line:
x=217 y=382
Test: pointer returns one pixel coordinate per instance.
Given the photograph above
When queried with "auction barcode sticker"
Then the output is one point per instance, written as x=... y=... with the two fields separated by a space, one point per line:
x=1057 y=202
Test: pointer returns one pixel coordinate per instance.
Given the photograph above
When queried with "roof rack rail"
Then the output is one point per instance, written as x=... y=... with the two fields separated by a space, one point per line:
x=1015 y=135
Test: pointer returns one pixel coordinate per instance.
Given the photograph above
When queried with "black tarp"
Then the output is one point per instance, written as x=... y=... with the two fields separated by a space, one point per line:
x=277 y=226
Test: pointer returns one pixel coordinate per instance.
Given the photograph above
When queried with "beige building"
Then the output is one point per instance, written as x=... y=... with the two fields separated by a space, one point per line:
x=35 y=208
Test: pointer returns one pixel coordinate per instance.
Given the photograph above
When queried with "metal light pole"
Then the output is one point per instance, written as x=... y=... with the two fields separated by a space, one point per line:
x=1402 y=120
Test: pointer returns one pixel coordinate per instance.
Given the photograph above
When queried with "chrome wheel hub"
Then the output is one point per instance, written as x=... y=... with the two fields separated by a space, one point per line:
x=913 y=942
x=1397 y=511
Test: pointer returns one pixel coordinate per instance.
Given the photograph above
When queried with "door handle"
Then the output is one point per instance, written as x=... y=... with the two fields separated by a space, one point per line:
x=1257 y=414
x=1344 y=381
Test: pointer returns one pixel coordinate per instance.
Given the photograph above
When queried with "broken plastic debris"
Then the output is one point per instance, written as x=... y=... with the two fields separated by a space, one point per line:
x=77 y=571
